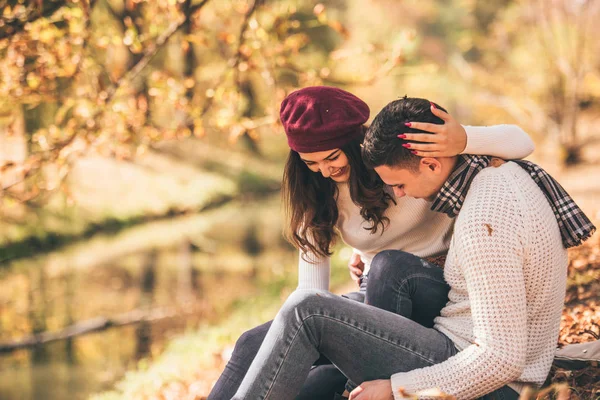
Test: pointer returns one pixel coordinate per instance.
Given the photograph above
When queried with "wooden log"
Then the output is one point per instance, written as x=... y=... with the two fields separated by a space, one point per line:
x=84 y=327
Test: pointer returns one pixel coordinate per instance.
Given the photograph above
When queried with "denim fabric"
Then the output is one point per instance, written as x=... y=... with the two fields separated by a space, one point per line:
x=363 y=341
x=324 y=379
x=407 y=285
x=244 y=352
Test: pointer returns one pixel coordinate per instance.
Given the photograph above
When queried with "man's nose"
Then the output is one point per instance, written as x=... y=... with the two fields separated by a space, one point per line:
x=399 y=192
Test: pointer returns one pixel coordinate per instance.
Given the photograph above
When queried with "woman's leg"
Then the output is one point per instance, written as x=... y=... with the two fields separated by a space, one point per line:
x=323 y=381
x=364 y=342
x=407 y=285
x=244 y=352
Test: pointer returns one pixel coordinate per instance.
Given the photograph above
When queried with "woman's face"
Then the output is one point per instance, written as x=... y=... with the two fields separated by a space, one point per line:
x=331 y=164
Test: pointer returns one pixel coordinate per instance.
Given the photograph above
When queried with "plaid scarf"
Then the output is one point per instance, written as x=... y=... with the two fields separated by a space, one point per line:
x=575 y=227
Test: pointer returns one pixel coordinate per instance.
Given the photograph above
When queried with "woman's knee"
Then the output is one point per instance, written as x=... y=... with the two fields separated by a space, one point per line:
x=392 y=263
x=301 y=298
x=303 y=303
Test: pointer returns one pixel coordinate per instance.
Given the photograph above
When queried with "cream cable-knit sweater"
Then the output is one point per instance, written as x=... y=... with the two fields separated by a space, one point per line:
x=507 y=272
x=413 y=226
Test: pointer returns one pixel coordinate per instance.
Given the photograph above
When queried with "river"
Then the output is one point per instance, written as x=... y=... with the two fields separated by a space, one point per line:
x=191 y=269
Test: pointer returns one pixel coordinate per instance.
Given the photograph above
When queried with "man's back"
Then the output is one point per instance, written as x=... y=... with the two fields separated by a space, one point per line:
x=507 y=271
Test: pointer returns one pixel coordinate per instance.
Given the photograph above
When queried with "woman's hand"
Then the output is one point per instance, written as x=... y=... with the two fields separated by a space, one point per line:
x=356 y=267
x=447 y=140
x=380 y=389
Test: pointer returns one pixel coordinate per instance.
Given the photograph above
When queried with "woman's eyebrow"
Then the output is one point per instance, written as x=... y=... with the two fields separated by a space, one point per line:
x=335 y=152
x=326 y=158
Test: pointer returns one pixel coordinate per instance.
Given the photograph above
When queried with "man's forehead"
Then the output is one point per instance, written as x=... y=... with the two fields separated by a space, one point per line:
x=391 y=173
x=392 y=169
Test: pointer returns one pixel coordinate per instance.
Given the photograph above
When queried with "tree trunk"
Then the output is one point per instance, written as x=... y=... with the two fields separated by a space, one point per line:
x=190 y=61
x=143 y=331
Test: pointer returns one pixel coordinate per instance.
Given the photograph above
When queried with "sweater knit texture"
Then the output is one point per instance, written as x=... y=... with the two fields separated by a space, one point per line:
x=507 y=269
x=413 y=226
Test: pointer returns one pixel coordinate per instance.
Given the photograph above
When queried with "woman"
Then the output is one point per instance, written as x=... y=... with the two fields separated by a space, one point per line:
x=327 y=190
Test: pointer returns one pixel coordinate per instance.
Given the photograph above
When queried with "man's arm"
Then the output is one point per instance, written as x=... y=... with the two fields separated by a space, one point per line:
x=488 y=247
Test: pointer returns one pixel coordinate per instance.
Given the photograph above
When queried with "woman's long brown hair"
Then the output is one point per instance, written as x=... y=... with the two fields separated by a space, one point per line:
x=310 y=201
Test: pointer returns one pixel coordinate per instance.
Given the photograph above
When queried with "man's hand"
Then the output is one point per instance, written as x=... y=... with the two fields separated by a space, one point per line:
x=373 y=390
x=356 y=267
x=447 y=140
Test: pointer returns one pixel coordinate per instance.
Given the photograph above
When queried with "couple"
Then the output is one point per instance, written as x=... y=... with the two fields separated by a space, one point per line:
x=500 y=293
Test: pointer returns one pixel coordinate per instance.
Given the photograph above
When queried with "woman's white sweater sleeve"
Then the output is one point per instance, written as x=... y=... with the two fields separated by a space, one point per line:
x=505 y=141
x=313 y=271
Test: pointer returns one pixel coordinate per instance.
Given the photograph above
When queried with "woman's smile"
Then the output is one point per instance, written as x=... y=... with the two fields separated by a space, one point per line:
x=339 y=172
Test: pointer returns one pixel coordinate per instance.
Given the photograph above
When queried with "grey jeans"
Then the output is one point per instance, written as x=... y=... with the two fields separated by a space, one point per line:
x=363 y=341
x=398 y=282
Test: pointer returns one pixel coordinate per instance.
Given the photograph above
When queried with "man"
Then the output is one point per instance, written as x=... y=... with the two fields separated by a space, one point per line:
x=506 y=269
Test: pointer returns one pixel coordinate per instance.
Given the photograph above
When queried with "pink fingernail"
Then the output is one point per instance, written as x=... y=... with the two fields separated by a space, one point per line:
x=414 y=152
x=407 y=145
x=432 y=105
x=402 y=136
x=407 y=124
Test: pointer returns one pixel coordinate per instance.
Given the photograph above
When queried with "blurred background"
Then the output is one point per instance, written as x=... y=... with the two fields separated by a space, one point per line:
x=141 y=158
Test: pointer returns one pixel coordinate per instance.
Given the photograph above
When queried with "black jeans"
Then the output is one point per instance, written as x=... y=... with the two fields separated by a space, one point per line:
x=398 y=282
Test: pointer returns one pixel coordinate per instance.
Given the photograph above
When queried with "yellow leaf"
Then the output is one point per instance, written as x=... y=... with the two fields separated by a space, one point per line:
x=33 y=81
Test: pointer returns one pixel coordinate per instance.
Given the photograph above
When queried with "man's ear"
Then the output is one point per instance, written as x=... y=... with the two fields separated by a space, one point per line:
x=430 y=164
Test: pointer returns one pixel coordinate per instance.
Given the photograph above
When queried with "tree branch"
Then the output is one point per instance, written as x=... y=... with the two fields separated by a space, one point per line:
x=151 y=52
x=148 y=56
x=235 y=62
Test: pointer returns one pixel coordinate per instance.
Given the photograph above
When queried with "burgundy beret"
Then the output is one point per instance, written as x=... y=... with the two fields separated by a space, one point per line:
x=321 y=118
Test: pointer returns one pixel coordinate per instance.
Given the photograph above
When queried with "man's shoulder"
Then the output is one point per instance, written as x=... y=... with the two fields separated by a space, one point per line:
x=508 y=181
x=500 y=181
x=502 y=168
x=497 y=194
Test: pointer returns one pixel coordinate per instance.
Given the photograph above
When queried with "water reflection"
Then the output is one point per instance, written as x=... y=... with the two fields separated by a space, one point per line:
x=196 y=272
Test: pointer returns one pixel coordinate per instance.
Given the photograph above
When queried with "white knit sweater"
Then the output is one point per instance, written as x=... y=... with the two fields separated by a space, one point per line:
x=413 y=226
x=507 y=274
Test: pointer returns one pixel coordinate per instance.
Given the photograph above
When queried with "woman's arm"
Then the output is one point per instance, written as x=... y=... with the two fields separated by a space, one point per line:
x=505 y=141
x=451 y=138
x=313 y=272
